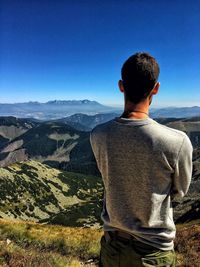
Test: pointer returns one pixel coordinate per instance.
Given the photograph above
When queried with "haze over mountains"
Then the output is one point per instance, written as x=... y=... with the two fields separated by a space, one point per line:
x=57 y=109
x=52 y=109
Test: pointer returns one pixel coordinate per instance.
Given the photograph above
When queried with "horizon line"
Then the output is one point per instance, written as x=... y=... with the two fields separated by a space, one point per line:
x=105 y=104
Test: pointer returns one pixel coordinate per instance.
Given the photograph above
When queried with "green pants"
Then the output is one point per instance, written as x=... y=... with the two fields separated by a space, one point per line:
x=132 y=253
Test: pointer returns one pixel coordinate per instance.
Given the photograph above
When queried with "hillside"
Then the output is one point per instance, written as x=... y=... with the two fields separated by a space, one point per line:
x=85 y=122
x=12 y=127
x=54 y=143
x=33 y=191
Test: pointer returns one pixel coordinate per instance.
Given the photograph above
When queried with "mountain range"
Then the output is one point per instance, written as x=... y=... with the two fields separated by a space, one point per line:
x=52 y=109
x=34 y=158
x=63 y=143
x=57 y=109
x=176 y=112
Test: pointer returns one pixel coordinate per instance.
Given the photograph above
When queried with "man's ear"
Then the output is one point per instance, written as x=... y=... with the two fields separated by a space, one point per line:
x=155 y=89
x=121 y=86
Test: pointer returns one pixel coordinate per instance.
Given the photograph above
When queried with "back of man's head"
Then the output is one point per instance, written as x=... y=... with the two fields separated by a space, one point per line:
x=139 y=75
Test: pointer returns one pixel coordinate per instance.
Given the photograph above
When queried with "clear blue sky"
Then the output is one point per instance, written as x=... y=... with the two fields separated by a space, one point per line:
x=64 y=49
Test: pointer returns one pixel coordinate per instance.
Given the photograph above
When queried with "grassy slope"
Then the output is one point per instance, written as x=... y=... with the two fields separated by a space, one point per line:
x=38 y=192
x=34 y=191
x=36 y=245
x=31 y=244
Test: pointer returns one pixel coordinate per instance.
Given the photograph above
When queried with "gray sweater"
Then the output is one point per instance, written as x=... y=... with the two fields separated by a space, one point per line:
x=143 y=166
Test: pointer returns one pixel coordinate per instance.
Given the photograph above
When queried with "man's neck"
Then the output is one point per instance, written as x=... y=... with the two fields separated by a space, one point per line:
x=136 y=111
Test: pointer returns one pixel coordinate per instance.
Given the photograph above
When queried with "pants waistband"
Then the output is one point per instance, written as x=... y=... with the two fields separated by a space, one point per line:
x=123 y=236
x=115 y=234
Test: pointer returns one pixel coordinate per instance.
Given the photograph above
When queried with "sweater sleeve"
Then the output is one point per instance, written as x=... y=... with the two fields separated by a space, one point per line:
x=183 y=169
x=92 y=140
x=94 y=145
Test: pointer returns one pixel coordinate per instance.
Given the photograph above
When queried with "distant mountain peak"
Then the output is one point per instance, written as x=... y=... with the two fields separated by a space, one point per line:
x=72 y=102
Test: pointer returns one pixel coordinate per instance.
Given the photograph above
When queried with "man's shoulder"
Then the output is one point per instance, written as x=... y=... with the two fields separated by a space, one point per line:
x=99 y=132
x=102 y=127
x=170 y=135
x=169 y=130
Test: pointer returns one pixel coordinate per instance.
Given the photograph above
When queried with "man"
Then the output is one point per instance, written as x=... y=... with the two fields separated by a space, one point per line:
x=143 y=165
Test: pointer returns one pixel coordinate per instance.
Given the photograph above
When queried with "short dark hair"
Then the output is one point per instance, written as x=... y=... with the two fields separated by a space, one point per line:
x=139 y=75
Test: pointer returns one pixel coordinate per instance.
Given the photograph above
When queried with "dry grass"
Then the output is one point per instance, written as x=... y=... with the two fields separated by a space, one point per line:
x=40 y=245
x=187 y=246
x=26 y=244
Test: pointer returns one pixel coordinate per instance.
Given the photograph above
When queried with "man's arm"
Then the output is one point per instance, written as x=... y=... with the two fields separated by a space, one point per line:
x=93 y=143
x=183 y=169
